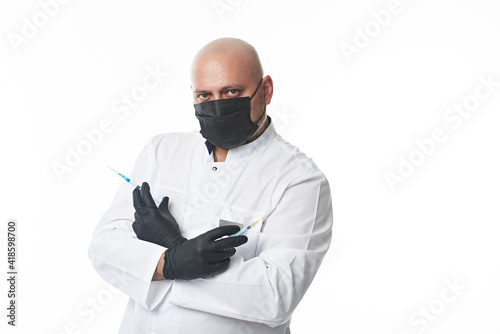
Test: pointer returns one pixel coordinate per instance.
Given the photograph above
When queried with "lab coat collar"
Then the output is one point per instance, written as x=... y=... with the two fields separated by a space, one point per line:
x=246 y=149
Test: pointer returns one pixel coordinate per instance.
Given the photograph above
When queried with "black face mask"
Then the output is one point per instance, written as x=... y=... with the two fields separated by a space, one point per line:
x=226 y=123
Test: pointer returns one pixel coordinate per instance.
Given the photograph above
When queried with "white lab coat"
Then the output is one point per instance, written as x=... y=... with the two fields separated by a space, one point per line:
x=267 y=180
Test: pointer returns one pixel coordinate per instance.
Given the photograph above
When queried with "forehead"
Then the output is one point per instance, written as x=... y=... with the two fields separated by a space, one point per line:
x=220 y=69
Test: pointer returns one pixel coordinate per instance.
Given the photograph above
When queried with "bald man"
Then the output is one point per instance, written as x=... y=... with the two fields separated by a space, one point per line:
x=245 y=217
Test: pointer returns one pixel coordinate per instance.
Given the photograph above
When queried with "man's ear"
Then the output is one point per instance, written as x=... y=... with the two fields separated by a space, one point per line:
x=268 y=88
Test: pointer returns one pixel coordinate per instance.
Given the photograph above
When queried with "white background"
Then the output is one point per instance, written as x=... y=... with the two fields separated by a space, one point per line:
x=393 y=250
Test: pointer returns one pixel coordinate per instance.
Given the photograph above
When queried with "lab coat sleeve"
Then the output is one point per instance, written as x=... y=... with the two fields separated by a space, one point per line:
x=116 y=253
x=267 y=288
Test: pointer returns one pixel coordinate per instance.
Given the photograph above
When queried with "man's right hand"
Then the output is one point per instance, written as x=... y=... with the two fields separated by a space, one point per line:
x=203 y=255
x=154 y=224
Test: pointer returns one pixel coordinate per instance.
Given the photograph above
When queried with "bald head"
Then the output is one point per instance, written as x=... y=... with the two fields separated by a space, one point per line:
x=234 y=50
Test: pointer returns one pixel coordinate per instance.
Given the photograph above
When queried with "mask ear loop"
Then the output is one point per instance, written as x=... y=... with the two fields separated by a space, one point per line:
x=260 y=117
x=257 y=88
x=263 y=111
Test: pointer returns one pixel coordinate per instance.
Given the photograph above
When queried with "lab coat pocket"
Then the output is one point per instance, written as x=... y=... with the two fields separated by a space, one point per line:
x=244 y=218
x=191 y=222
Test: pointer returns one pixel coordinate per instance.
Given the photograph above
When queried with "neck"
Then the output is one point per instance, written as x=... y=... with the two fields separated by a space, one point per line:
x=220 y=154
x=260 y=130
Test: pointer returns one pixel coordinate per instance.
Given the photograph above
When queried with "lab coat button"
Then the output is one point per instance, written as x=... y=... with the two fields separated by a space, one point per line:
x=214 y=168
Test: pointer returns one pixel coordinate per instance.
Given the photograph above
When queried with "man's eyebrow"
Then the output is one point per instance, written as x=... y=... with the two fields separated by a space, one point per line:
x=230 y=86
x=201 y=91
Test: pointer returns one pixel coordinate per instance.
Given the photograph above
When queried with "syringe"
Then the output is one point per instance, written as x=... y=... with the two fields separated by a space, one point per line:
x=133 y=184
x=243 y=230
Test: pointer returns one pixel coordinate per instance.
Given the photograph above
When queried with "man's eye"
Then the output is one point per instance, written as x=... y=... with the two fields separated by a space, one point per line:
x=202 y=96
x=232 y=91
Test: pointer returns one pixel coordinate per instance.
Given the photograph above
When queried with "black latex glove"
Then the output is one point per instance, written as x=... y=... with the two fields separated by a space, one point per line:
x=154 y=224
x=202 y=256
